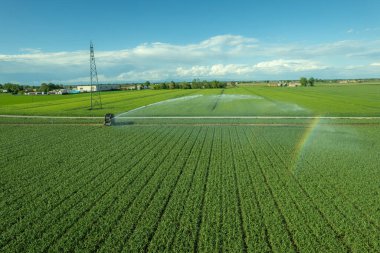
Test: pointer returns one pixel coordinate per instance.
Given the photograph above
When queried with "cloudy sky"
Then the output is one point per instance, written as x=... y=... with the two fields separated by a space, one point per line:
x=48 y=41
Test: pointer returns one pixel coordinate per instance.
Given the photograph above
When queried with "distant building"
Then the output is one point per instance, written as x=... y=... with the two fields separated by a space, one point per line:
x=294 y=84
x=131 y=87
x=103 y=87
x=74 y=91
x=135 y=87
x=32 y=93
x=4 y=91
x=59 y=92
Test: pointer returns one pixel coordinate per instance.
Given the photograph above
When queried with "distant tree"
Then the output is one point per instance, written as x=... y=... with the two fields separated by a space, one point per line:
x=214 y=84
x=164 y=86
x=311 y=81
x=12 y=88
x=51 y=86
x=181 y=85
x=223 y=85
x=195 y=84
x=147 y=84
x=172 y=85
x=28 y=88
x=303 y=81
x=205 y=84
x=45 y=87
x=186 y=85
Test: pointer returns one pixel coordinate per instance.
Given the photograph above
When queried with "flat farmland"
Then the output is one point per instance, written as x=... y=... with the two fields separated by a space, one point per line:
x=350 y=100
x=190 y=188
x=208 y=184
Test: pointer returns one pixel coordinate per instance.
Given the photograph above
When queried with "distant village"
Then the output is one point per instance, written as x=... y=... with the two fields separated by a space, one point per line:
x=59 y=89
x=53 y=89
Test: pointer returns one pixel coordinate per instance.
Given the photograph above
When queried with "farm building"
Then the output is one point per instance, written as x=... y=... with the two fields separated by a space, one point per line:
x=294 y=84
x=59 y=92
x=35 y=93
x=103 y=87
x=135 y=87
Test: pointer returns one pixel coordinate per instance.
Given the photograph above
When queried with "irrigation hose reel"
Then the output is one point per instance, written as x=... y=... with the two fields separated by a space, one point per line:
x=108 y=119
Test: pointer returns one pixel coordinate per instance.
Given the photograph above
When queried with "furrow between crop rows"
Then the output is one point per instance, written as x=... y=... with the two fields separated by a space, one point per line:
x=135 y=169
x=125 y=224
x=282 y=243
x=163 y=237
x=74 y=197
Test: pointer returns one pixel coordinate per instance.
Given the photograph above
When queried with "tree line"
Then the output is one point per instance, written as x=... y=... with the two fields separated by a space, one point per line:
x=195 y=84
x=307 y=82
x=17 y=88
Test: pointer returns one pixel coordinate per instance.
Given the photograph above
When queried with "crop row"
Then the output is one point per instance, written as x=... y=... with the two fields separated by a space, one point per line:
x=179 y=188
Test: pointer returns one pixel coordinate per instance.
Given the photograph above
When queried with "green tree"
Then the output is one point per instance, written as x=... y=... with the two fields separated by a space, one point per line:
x=44 y=87
x=223 y=85
x=311 y=81
x=12 y=88
x=173 y=85
x=164 y=86
x=195 y=84
x=303 y=81
x=215 y=84
x=186 y=85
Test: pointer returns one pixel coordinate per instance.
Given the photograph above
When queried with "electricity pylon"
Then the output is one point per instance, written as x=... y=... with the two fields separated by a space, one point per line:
x=96 y=100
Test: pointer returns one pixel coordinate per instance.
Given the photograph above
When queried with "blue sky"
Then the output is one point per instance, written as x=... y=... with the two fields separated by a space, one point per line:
x=43 y=41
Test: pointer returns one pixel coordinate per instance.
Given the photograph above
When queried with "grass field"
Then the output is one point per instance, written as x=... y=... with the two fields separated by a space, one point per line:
x=194 y=184
x=351 y=100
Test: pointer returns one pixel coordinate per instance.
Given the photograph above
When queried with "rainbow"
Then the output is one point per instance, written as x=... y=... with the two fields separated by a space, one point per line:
x=303 y=142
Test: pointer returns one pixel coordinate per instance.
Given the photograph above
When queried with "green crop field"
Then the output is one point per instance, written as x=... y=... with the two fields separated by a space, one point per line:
x=153 y=183
x=350 y=100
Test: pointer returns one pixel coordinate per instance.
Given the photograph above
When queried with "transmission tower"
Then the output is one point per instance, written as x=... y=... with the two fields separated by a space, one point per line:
x=96 y=100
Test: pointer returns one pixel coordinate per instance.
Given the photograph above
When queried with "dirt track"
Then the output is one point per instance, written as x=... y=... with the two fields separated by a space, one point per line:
x=359 y=121
x=195 y=117
x=48 y=117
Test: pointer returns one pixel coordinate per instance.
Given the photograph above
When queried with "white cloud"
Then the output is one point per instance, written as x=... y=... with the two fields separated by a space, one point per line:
x=31 y=50
x=341 y=50
x=375 y=64
x=354 y=67
x=289 y=65
x=41 y=58
x=350 y=30
x=274 y=67
x=155 y=75
x=215 y=47
x=270 y=67
x=224 y=56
